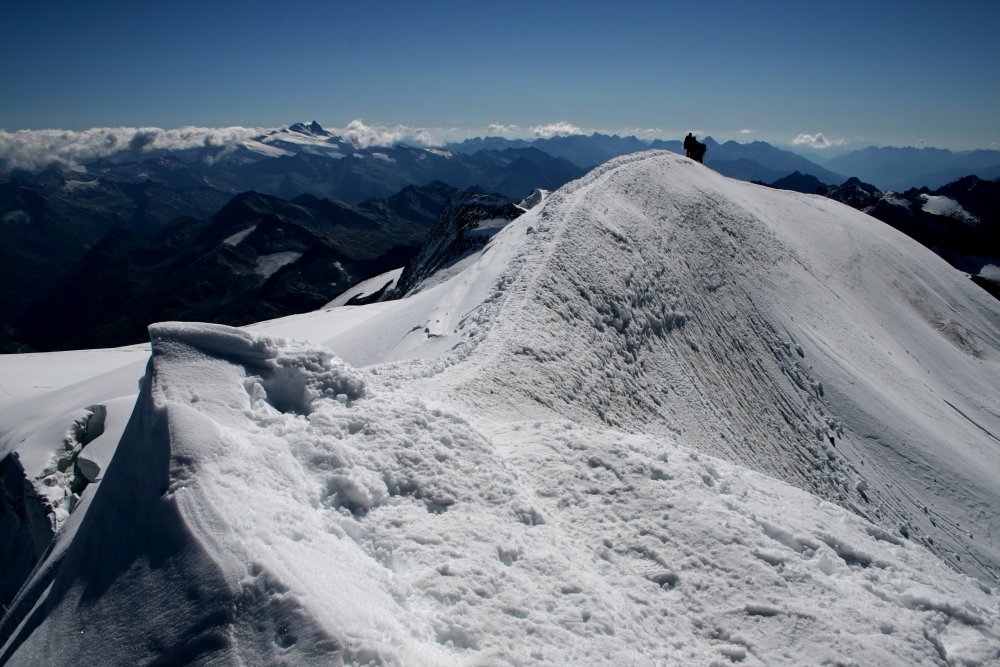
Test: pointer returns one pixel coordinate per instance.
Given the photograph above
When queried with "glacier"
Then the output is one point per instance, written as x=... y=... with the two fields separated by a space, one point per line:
x=661 y=417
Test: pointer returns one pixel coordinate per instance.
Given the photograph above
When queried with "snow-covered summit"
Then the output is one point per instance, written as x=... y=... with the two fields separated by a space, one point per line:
x=312 y=129
x=663 y=416
x=297 y=138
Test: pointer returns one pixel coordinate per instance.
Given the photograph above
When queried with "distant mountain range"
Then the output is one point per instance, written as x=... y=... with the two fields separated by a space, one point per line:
x=139 y=200
x=899 y=169
x=756 y=161
x=51 y=218
x=308 y=159
x=259 y=257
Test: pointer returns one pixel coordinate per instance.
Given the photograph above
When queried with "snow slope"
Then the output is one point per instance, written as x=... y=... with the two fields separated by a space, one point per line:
x=662 y=417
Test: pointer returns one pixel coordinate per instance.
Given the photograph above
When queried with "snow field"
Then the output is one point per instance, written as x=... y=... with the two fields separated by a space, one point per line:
x=655 y=295
x=344 y=520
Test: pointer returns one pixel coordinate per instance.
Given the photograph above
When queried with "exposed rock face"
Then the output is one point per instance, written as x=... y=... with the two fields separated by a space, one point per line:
x=799 y=182
x=855 y=194
x=258 y=258
x=466 y=223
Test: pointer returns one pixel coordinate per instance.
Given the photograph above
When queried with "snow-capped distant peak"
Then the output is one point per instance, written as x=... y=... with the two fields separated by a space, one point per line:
x=947 y=207
x=300 y=138
x=313 y=129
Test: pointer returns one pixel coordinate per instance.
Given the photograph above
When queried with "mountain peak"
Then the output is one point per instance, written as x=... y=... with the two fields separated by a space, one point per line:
x=312 y=129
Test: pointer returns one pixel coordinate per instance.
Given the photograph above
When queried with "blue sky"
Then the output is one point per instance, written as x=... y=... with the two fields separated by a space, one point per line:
x=871 y=72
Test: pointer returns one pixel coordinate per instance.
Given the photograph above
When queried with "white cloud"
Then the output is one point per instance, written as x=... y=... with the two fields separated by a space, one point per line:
x=36 y=149
x=816 y=141
x=562 y=128
x=365 y=136
x=501 y=129
x=746 y=132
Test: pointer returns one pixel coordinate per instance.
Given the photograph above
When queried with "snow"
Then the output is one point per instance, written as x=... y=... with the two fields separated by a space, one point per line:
x=286 y=142
x=26 y=375
x=488 y=228
x=237 y=238
x=894 y=199
x=439 y=151
x=367 y=287
x=76 y=186
x=267 y=265
x=663 y=417
x=384 y=157
x=265 y=149
x=948 y=207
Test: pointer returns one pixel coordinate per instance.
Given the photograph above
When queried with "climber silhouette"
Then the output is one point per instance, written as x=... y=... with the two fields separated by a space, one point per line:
x=694 y=149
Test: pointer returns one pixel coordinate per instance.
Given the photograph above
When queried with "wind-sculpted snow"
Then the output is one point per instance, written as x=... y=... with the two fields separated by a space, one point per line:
x=783 y=332
x=570 y=450
x=269 y=503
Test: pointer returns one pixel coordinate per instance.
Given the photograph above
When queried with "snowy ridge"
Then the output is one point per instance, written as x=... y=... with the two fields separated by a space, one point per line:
x=707 y=313
x=545 y=458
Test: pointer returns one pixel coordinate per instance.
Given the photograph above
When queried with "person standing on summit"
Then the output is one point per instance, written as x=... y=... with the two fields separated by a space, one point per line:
x=694 y=148
x=698 y=152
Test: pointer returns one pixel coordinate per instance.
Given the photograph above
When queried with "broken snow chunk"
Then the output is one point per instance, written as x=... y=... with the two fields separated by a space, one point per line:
x=759 y=609
x=734 y=653
x=301 y=375
x=771 y=556
x=960 y=611
x=529 y=516
x=849 y=553
x=664 y=578
x=288 y=375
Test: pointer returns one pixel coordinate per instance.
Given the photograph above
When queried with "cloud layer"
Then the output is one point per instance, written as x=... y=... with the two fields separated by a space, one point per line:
x=501 y=129
x=360 y=135
x=816 y=141
x=36 y=149
x=33 y=150
x=560 y=129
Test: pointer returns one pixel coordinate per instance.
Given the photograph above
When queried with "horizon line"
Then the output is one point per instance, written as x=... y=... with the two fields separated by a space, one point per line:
x=379 y=135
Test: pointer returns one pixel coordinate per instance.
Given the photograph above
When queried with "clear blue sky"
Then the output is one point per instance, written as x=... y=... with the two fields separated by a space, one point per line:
x=881 y=72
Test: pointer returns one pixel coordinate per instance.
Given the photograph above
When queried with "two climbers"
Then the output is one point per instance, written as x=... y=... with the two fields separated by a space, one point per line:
x=694 y=148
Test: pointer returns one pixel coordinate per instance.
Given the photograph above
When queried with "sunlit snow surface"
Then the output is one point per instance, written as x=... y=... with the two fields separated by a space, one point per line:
x=238 y=237
x=267 y=265
x=568 y=452
x=948 y=207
